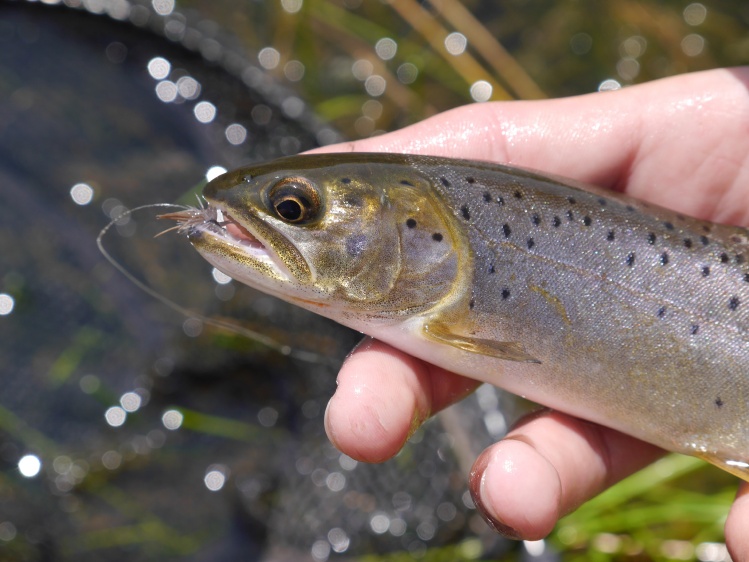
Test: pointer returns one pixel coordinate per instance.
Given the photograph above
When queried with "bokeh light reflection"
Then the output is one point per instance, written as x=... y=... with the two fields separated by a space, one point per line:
x=609 y=85
x=481 y=91
x=115 y=416
x=456 y=43
x=188 y=87
x=159 y=68
x=205 y=111
x=29 y=465
x=695 y=13
x=339 y=540
x=7 y=531
x=214 y=172
x=111 y=460
x=375 y=85
x=220 y=277
x=172 y=419
x=215 y=477
x=379 y=523
x=236 y=134
x=82 y=194
x=268 y=57
x=407 y=73
x=386 y=48
x=166 y=91
x=320 y=551
x=293 y=70
x=192 y=327
x=163 y=7
x=693 y=45
x=7 y=303
x=291 y=6
x=130 y=401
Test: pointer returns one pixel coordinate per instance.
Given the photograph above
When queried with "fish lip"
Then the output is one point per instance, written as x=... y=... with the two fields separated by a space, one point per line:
x=215 y=222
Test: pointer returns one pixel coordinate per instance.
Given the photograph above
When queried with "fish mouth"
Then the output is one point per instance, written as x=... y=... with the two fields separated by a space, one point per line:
x=216 y=233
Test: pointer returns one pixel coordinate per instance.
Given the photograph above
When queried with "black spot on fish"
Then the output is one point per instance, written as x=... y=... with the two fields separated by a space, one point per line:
x=505 y=294
x=491 y=269
x=719 y=402
x=694 y=329
x=651 y=238
x=664 y=258
x=631 y=259
x=739 y=259
x=705 y=271
x=437 y=237
x=706 y=228
x=506 y=230
x=724 y=258
x=500 y=200
x=602 y=202
x=587 y=220
x=487 y=197
x=571 y=200
x=469 y=179
x=345 y=180
x=517 y=194
x=681 y=217
x=668 y=225
x=687 y=242
x=465 y=212
x=445 y=182
x=406 y=182
x=630 y=208
x=610 y=236
x=705 y=240
x=535 y=219
x=661 y=312
x=733 y=303
x=531 y=243
x=570 y=216
x=471 y=304
x=411 y=223
x=746 y=277
x=556 y=222
x=736 y=239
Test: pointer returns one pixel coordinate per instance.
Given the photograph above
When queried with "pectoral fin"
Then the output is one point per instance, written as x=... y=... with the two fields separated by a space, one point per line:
x=737 y=468
x=507 y=350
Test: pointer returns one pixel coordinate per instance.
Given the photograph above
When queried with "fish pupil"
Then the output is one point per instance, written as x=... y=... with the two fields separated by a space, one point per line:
x=291 y=209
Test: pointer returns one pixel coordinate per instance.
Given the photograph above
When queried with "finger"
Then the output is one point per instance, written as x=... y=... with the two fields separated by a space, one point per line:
x=548 y=466
x=383 y=396
x=622 y=139
x=737 y=525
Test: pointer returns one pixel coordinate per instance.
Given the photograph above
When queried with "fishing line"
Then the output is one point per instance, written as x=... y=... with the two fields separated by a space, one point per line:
x=267 y=341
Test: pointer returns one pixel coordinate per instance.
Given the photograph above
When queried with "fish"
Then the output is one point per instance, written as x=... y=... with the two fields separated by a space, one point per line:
x=578 y=298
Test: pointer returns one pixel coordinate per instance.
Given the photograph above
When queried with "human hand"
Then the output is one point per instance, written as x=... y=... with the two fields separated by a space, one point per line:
x=682 y=143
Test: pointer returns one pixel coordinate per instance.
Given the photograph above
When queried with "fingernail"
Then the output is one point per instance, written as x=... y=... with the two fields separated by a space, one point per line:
x=477 y=484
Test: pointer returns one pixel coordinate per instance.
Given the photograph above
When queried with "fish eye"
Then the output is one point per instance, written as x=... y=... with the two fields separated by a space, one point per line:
x=295 y=201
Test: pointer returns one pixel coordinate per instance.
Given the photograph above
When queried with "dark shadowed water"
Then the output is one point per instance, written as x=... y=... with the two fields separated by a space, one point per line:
x=159 y=437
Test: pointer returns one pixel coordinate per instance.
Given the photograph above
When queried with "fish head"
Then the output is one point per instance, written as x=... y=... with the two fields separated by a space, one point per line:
x=332 y=233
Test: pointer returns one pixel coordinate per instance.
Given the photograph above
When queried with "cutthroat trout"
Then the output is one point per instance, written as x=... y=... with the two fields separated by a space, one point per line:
x=584 y=300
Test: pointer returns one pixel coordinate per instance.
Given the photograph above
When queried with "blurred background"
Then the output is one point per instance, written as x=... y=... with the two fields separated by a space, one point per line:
x=131 y=431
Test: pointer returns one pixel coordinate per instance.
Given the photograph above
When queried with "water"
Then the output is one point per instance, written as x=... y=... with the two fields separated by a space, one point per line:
x=128 y=431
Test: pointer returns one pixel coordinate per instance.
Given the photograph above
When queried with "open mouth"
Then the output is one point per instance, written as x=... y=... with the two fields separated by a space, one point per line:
x=217 y=223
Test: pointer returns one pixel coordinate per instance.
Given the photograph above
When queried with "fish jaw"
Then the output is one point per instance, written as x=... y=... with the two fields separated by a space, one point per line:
x=238 y=250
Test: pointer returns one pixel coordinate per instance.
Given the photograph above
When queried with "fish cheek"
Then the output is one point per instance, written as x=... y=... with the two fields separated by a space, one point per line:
x=373 y=264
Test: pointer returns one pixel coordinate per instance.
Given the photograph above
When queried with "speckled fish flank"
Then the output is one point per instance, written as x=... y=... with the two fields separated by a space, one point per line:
x=584 y=300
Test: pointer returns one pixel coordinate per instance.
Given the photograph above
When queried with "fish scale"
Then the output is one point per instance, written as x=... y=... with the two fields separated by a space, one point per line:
x=584 y=300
